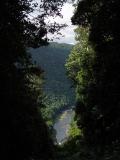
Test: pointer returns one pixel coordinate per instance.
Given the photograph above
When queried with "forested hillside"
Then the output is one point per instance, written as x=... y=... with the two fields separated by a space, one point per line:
x=52 y=60
x=57 y=86
x=30 y=98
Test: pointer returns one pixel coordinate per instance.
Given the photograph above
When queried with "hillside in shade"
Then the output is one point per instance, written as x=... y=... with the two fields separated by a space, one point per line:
x=52 y=59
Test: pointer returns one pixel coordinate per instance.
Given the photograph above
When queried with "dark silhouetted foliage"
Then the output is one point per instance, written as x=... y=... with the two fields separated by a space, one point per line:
x=99 y=96
x=24 y=134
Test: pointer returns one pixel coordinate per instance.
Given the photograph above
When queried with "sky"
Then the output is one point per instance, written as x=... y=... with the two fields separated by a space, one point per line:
x=68 y=35
x=68 y=32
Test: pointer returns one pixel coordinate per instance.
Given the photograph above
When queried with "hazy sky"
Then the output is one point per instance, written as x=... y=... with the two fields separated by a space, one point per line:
x=68 y=32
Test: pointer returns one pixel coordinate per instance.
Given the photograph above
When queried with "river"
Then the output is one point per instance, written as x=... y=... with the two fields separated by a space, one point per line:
x=62 y=125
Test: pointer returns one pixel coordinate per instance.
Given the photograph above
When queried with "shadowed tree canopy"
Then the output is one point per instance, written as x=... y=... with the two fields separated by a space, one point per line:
x=101 y=120
x=102 y=16
x=23 y=24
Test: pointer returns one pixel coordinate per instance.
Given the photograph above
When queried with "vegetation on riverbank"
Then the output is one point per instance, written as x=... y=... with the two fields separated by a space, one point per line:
x=57 y=87
x=53 y=107
x=93 y=66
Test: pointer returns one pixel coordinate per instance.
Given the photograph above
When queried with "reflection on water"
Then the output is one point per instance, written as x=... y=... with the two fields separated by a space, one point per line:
x=62 y=125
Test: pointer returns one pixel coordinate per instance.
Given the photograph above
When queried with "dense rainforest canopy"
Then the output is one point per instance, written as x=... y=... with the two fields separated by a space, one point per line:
x=24 y=134
x=93 y=65
x=59 y=95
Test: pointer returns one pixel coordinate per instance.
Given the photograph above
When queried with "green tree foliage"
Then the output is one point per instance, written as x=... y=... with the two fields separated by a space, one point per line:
x=79 y=67
x=79 y=63
x=24 y=134
x=57 y=86
x=53 y=106
x=101 y=107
